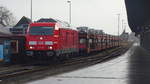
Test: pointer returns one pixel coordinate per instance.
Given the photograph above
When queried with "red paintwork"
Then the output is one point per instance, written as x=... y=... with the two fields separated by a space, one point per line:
x=68 y=39
x=36 y=38
x=83 y=46
x=59 y=38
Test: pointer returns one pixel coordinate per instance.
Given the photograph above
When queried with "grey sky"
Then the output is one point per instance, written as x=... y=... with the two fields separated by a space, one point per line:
x=99 y=14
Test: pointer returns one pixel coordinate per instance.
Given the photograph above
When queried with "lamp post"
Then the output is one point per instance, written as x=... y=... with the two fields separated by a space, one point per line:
x=118 y=27
x=31 y=11
x=125 y=26
x=69 y=2
x=122 y=24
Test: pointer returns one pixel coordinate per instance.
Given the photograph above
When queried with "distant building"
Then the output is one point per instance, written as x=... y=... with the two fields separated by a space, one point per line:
x=21 y=26
x=133 y=38
x=124 y=36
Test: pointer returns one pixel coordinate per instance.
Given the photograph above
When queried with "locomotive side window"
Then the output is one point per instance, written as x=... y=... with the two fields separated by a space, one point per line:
x=41 y=30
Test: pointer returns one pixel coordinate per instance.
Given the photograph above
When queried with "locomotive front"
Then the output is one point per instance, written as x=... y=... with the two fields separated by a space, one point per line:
x=42 y=39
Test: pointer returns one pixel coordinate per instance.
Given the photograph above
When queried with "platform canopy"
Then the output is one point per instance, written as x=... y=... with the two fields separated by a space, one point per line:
x=138 y=12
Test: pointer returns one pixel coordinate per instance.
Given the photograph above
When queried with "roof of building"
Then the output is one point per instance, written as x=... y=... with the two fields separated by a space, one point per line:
x=23 y=20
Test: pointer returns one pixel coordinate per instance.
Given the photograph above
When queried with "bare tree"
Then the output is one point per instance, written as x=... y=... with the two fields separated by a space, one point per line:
x=6 y=17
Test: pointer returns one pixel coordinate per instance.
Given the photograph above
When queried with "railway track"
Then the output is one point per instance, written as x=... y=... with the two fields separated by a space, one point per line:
x=20 y=70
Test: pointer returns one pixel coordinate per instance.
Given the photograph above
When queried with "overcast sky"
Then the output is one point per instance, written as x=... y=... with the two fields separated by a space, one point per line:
x=98 y=14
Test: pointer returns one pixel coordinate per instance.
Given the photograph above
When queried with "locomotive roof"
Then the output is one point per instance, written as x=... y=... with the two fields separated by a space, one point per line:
x=47 y=20
x=51 y=20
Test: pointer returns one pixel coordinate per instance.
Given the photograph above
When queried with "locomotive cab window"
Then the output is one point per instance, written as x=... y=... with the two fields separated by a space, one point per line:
x=41 y=30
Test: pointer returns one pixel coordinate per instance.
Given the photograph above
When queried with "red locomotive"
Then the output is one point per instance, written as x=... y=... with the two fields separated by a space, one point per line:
x=49 y=37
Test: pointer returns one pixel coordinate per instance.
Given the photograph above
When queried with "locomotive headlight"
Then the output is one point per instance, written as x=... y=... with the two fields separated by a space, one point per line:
x=48 y=43
x=31 y=47
x=56 y=27
x=50 y=47
x=32 y=43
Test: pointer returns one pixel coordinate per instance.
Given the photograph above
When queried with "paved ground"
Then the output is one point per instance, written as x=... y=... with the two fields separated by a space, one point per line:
x=115 y=71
